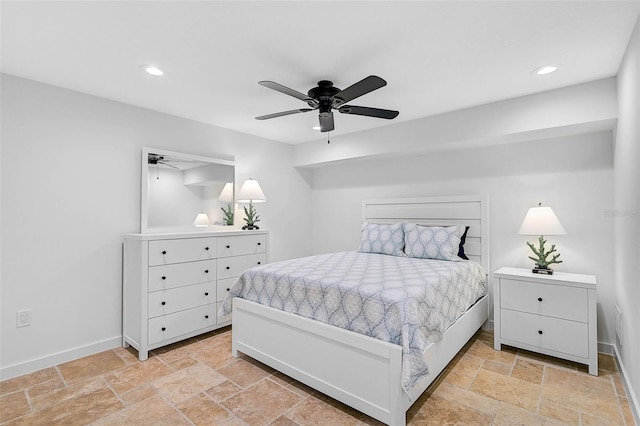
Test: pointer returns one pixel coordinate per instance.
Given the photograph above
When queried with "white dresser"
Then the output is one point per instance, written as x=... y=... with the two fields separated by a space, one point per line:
x=174 y=283
x=550 y=314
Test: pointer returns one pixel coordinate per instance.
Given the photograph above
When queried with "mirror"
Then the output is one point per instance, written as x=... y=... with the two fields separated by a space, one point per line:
x=177 y=187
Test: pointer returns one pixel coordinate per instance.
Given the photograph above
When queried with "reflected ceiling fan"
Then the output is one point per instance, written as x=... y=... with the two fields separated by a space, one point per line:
x=326 y=97
x=171 y=161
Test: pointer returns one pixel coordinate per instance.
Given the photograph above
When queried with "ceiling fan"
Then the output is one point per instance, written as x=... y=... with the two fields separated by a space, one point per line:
x=326 y=97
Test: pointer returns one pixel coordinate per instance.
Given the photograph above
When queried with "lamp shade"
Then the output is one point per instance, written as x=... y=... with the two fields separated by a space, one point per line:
x=251 y=192
x=226 y=196
x=201 y=220
x=541 y=220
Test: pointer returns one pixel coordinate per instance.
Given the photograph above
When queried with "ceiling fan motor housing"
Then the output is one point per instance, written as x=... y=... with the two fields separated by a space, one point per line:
x=323 y=94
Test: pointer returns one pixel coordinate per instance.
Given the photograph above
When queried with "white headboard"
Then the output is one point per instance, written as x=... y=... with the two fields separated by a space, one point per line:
x=469 y=210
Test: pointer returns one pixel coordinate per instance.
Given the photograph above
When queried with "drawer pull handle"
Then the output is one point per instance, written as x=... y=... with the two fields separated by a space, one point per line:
x=206 y=248
x=539 y=331
x=206 y=293
x=206 y=271
x=228 y=267
x=259 y=243
x=228 y=289
x=163 y=328
x=228 y=246
x=164 y=252
x=539 y=299
x=164 y=277
x=206 y=316
x=259 y=263
x=163 y=303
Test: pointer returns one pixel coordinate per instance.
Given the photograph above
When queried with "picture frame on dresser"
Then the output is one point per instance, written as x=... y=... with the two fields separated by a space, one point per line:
x=174 y=283
x=550 y=314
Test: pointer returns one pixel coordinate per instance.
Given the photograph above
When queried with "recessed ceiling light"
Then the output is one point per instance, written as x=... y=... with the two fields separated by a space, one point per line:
x=547 y=69
x=153 y=70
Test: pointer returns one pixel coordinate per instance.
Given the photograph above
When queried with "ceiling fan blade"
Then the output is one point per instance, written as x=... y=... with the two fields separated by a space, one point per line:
x=369 y=112
x=326 y=121
x=364 y=86
x=283 y=113
x=287 y=91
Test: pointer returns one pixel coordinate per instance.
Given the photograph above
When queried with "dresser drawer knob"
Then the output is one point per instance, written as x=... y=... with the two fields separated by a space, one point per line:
x=164 y=328
x=206 y=316
x=206 y=293
x=259 y=244
x=228 y=267
x=206 y=271
x=163 y=303
x=228 y=246
x=206 y=248
x=164 y=252
x=164 y=277
x=539 y=331
x=539 y=299
x=228 y=289
x=259 y=262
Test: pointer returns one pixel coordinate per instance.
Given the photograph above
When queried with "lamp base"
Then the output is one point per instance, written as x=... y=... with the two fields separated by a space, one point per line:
x=250 y=227
x=540 y=270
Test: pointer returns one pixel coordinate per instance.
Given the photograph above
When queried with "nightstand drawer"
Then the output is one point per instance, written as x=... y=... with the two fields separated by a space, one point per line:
x=553 y=334
x=181 y=298
x=543 y=299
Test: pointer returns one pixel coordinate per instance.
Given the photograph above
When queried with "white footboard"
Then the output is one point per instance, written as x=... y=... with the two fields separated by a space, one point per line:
x=360 y=371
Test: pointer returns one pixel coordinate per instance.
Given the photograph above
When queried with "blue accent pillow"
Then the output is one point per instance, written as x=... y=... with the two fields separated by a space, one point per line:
x=433 y=242
x=382 y=238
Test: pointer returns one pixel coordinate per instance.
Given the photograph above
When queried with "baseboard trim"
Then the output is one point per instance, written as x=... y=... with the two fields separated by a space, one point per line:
x=632 y=397
x=30 y=366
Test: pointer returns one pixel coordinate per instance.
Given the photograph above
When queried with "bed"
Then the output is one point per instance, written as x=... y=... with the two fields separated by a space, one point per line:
x=379 y=378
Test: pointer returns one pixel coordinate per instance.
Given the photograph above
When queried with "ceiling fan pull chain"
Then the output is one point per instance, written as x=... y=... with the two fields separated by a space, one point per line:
x=328 y=141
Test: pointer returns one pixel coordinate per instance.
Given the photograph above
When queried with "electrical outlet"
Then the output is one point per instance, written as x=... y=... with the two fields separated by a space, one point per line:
x=23 y=318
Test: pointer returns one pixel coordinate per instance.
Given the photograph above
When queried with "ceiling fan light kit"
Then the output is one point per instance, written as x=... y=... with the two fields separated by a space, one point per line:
x=326 y=97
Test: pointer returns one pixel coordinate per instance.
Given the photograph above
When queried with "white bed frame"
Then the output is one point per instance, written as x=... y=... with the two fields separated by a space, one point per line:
x=358 y=370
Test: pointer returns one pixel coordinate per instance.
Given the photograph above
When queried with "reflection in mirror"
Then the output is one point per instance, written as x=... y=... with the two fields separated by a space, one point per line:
x=178 y=188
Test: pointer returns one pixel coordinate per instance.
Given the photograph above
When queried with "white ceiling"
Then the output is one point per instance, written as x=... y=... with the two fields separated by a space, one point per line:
x=435 y=56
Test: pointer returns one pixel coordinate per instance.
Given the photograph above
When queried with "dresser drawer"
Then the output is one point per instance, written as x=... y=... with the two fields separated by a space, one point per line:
x=222 y=318
x=179 y=299
x=163 y=252
x=238 y=245
x=234 y=266
x=550 y=300
x=172 y=325
x=165 y=277
x=568 y=337
x=223 y=287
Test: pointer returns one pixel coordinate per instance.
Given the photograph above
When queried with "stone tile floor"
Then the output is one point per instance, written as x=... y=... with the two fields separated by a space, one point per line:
x=198 y=382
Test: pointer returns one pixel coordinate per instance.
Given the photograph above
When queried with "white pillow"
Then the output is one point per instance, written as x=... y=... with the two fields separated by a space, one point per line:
x=432 y=242
x=384 y=239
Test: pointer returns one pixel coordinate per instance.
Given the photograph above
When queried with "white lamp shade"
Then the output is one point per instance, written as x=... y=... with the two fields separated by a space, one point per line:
x=542 y=221
x=251 y=192
x=201 y=220
x=226 y=196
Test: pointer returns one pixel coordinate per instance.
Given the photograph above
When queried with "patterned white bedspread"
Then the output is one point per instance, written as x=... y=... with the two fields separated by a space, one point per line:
x=406 y=301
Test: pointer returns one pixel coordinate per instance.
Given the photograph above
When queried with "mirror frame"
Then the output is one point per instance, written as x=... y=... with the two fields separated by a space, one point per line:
x=144 y=188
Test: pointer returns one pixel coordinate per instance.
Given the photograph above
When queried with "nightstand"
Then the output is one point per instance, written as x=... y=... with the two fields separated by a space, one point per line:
x=550 y=314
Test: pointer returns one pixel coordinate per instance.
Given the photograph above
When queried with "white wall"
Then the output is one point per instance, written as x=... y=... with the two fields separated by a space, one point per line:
x=626 y=215
x=573 y=175
x=70 y=177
